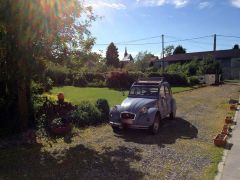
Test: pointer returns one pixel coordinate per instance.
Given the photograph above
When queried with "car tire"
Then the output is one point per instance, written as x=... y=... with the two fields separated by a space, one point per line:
x=154 y=129
x=116 y=129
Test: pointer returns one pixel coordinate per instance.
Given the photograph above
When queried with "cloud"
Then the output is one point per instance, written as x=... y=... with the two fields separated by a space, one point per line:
x=176 y=3
x=236 y=3
x=204 y=5
x=180 y=3
x=152 y=2
x=104 y=4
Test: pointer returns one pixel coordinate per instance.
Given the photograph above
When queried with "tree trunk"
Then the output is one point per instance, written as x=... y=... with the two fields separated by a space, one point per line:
x=22 y=95
x=23 y=105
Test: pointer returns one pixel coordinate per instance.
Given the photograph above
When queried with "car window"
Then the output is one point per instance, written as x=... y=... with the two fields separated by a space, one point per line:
x=143 y=91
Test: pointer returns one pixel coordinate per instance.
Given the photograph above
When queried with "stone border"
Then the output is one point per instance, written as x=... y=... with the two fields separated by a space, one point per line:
x=225 y=152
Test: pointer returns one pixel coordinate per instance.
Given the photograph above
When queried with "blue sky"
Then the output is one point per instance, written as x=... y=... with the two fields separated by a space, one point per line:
x=125 y=20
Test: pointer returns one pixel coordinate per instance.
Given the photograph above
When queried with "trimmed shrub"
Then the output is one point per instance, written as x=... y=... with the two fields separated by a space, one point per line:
x=86 y=114
x=119 y=80
x=136 y=75
x=173 y=79
x=58 y=75
x=80 y=81
x=103 y=107
x=94 y=77
x=193 y=80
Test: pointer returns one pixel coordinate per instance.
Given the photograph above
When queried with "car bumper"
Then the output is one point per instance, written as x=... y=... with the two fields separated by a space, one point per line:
x=131 y=126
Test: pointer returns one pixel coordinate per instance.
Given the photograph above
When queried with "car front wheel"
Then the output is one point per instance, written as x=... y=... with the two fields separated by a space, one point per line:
x=116 y=129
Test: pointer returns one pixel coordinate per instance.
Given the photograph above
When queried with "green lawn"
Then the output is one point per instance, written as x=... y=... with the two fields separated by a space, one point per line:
x=76 y=94
x=232 y=81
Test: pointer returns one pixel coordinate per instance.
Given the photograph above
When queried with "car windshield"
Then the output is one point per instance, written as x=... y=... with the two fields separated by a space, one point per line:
x=140 y=91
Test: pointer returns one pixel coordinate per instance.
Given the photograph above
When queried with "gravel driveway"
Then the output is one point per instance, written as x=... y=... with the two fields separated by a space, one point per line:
x=182 y=150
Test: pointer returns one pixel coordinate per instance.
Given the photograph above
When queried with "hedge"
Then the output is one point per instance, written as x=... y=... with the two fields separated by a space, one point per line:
x=173 y=79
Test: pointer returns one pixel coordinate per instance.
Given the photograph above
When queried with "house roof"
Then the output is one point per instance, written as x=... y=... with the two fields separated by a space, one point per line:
x=127 y=58
x=222 y=54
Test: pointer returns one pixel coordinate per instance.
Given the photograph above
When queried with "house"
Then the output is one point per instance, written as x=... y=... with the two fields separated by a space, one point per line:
x=127 y=57
x=229 y=60
x=152 y=60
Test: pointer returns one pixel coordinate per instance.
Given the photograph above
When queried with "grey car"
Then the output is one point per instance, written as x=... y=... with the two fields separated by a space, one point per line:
x=149 y=101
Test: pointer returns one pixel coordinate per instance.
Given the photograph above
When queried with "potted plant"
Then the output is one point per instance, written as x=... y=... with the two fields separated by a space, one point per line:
x=59 y=127
x=233 y=107
x=225 y=130
x=60 y=97
x=220 y=140
x=228 y=120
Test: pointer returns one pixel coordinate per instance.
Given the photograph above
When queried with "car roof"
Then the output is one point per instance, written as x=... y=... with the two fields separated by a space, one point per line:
x=153 y=81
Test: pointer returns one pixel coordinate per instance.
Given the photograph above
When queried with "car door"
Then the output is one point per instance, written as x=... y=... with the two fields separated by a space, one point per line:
x=168 y=98
x=162 y=102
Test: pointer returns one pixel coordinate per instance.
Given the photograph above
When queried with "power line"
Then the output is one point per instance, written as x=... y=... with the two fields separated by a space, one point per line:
x=130 y=43
x=189 y=39
x=227 y=36
x=136 y=40
x=152 y=43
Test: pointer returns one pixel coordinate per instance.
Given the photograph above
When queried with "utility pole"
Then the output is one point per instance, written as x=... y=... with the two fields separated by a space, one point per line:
x=214 y=56
x=215 y=43
x=162 y=53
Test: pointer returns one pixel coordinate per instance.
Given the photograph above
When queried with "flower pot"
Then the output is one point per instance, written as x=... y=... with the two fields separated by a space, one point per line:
x=233 y=107
x=228 y=120
x=225 y=130
x=220 y=140
x=60 y=97
x=61 y=130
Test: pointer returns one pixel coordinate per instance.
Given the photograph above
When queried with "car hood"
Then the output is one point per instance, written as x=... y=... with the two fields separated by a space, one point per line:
x=135 y=104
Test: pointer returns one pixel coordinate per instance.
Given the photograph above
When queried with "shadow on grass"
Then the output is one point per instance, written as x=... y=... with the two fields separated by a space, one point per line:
x=78 y=162
x=168 y=133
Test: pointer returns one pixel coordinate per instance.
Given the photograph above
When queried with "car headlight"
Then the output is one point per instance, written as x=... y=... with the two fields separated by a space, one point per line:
x=114 y=109
x=144 y=110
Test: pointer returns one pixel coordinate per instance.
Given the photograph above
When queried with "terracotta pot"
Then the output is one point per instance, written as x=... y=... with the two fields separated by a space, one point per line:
x=62 y=130
x=60 y=97
x=228 y=120
x=233 y=107
x=225 y=130
x=220 y=140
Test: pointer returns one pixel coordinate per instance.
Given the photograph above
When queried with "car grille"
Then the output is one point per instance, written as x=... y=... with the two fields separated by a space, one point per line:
x=126 y=115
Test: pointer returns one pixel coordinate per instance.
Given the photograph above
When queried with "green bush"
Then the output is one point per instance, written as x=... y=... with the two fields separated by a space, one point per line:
x=48 y=84
x=37 y=88
x=86 y=114
x=103 y=107
x=193 y=80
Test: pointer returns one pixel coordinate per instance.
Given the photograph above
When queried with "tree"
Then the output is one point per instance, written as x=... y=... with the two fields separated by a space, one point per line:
x=236 y=46
x=168 y=51
x=142 y=60
x=179 y=50
x=36 y=30
x=112 y=55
